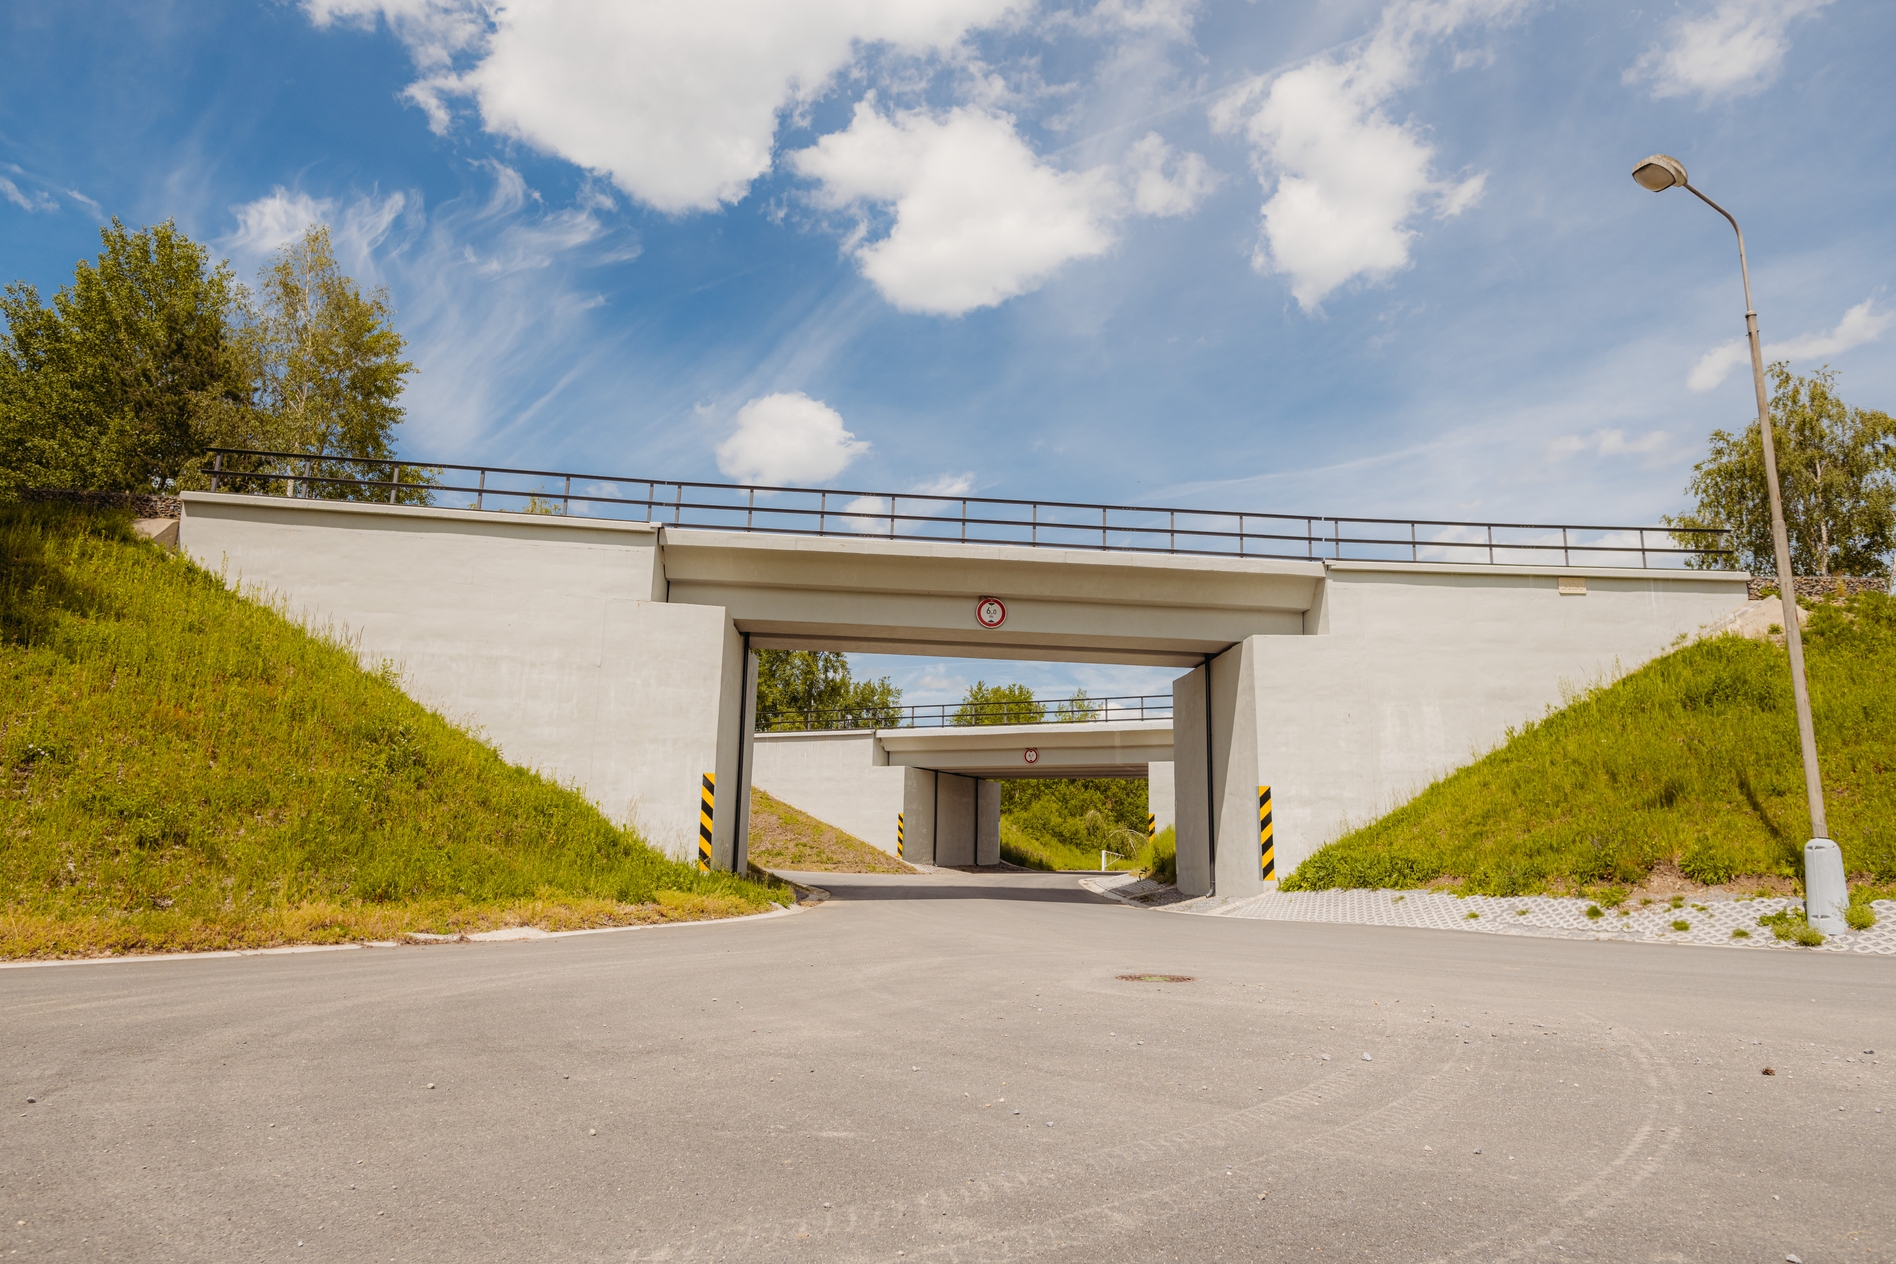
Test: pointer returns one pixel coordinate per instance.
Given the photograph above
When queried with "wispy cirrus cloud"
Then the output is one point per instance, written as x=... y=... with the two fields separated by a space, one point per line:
x=1733 y=49
x=1861 y=324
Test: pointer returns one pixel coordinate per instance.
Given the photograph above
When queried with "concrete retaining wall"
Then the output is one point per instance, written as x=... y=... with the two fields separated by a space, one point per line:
x=835 y=777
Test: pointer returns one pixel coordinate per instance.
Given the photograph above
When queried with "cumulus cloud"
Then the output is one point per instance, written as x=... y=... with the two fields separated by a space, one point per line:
x=1346 y=179
x=1735 y=49
x=788 y=438
x=978 y=217
x=676 y=101
x=974 y=217
x=1861 y=324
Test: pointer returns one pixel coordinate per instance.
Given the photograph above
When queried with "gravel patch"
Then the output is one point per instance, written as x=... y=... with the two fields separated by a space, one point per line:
x=1708 y=922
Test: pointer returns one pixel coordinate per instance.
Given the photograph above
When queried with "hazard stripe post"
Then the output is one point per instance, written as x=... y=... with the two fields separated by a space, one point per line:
x=1152 y=826
x=707 y=806
x=1266 y=840
x=898 y=835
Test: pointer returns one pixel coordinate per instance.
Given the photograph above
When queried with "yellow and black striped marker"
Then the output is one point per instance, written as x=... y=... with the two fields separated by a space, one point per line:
x=1266 y=839
x=898 y=836
x=707 y=805
x=1152 y=826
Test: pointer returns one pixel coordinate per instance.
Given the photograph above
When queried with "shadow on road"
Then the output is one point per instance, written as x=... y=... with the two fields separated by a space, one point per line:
x=1029 y=888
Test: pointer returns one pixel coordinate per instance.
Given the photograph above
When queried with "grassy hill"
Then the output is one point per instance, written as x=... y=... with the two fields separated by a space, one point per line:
x=186 y=769
x=1690 y=761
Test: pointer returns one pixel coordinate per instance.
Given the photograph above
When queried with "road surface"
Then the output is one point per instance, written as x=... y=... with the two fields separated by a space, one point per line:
x=947 y=1068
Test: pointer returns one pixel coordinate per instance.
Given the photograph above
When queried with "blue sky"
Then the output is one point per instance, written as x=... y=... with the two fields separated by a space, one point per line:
x=1353 y=258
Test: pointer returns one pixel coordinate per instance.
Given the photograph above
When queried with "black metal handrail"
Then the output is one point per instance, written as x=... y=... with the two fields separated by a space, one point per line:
x=947 y=715
x=929 y=516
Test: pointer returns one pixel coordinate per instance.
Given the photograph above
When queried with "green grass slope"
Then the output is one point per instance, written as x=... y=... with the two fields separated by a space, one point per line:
x=186 y=769
x=1691 y=760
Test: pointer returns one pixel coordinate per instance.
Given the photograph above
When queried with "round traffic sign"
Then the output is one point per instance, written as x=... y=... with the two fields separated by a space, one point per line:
x=990 y=612
x=1031 y=755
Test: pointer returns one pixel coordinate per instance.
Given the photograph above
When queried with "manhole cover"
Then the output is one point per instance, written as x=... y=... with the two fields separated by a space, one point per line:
x=1157 y=978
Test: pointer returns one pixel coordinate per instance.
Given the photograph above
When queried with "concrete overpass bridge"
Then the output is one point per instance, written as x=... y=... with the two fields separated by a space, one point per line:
x=1344 y=662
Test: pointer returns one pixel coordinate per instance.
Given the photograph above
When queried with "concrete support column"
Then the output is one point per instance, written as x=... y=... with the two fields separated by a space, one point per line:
x=987 y=829
x=1161 y=801
x=1216 y=774
x=956 y=815
x=918 y=815
x=736 y=712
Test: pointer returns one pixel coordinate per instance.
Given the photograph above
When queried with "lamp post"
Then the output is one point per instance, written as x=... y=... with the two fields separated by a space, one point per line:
x=1825 y=891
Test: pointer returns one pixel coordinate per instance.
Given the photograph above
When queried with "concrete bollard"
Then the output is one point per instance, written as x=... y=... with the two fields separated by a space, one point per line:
x=1826 y=894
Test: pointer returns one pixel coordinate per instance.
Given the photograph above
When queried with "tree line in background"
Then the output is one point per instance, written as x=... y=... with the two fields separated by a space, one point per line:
x=1836 y=473
x=153 y=355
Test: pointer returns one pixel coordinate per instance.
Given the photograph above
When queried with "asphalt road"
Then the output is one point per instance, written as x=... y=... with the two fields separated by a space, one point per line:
x=950 y=1068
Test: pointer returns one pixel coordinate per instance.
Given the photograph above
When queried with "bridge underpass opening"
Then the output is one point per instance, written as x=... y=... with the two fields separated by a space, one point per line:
x=925 y=782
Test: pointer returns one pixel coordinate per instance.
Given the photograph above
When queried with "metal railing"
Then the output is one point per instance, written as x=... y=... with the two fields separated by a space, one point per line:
x=931 y=516
x=947 y=715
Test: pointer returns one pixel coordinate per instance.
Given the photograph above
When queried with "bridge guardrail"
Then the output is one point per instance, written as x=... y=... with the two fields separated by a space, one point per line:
x=948 y=715
x=936 y=517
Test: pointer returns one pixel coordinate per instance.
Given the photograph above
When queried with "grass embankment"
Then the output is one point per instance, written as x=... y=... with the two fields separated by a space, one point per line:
x=186 y=769
x=782 y=837
x=1691 y=761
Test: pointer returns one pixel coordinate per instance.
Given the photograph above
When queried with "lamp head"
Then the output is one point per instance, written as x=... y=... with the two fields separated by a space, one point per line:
x=1659 y=172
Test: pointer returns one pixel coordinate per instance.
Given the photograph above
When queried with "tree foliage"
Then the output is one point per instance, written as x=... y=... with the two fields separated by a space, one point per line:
x=327 y=370
x=1836 y=472
x=810 y=689
x=113 y=385
x=999 y=704
x=1089 y=813
x=153 y=355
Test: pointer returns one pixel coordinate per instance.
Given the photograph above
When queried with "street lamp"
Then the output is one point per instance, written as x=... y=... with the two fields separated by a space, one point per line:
x=1825 y=891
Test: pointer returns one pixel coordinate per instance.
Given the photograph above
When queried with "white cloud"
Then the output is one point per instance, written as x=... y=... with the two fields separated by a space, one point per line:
x=1607 y=443
x=29 y=202
x=1154 y=192
x=788 y=438
x=494 y=300
x=978 y=218
x=676 y=101
x=1735 y=49
x=1861 y=324
x=946 y=485
x=281 y=216
x=1346 y=178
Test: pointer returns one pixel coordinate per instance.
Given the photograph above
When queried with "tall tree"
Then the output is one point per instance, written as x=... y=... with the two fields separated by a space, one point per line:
x=329 y=371
x=1079 y=709
x=1836 y=471
x=807 y=689
x=112 y=385
x=999 y=704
